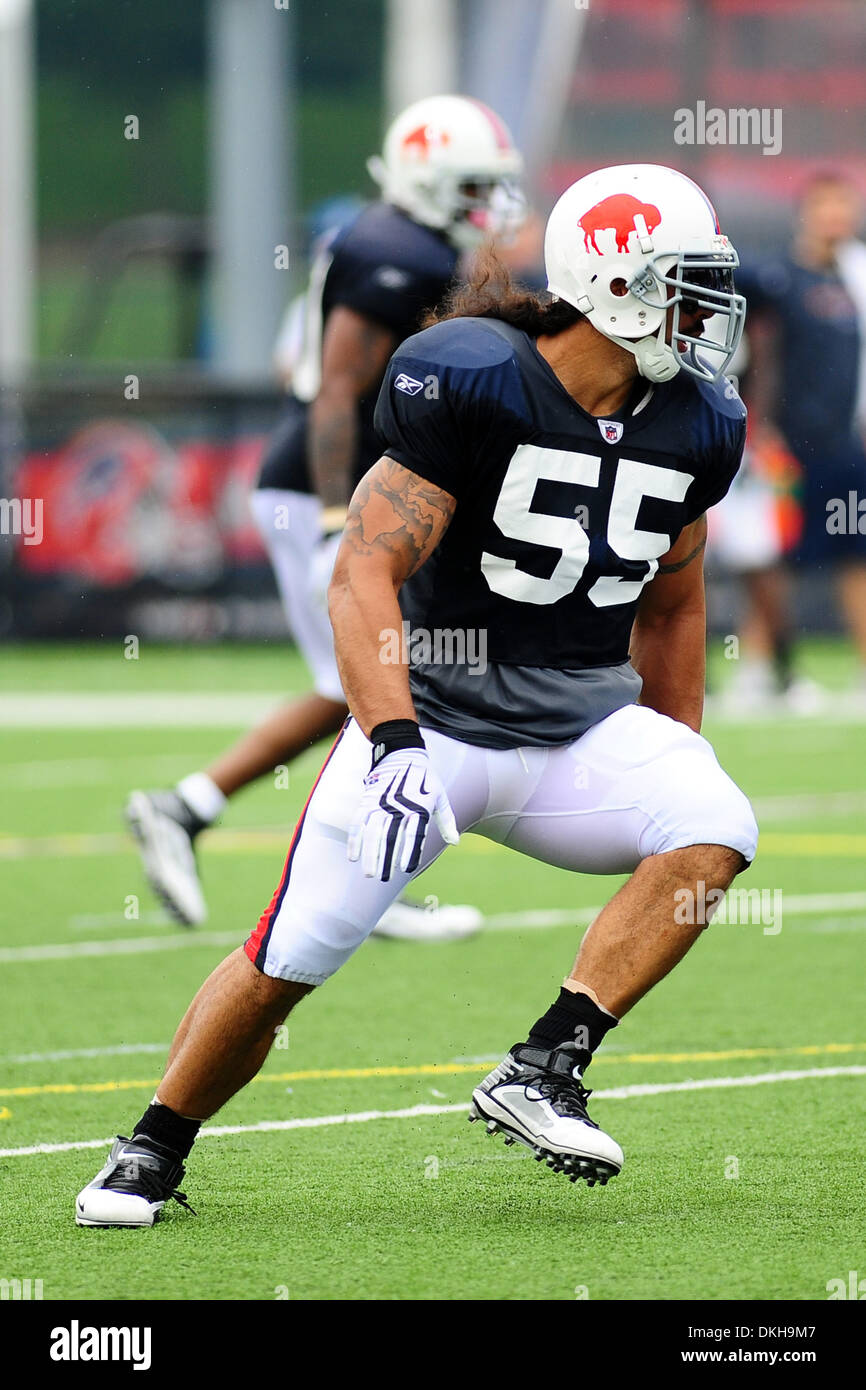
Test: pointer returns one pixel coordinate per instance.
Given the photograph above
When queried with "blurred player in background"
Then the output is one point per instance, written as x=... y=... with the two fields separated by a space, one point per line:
x=808 y=387
x=750 y=535
x=450 y=177
x=520 y=248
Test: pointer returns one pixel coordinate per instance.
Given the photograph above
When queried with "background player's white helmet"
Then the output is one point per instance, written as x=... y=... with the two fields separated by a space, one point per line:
x=628 y=243
x=451 y=163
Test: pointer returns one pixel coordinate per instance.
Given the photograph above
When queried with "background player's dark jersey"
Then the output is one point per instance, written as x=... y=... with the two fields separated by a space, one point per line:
x=560 y=522
x=388 y=268
x=819 y=352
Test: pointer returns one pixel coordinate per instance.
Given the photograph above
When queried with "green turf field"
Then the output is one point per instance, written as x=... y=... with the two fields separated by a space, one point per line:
x=728 y=1191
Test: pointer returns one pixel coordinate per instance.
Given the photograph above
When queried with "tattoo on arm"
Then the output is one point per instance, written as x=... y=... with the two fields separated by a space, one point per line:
x=681 y=564
x=396 y=512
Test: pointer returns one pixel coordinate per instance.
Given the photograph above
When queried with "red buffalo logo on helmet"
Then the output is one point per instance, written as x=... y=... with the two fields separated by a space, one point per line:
x=424 y=138
x=617 y=214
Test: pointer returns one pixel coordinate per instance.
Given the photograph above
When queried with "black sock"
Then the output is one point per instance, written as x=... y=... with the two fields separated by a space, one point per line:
x=783 y=660
x=573 y=1018
x=160 y=1123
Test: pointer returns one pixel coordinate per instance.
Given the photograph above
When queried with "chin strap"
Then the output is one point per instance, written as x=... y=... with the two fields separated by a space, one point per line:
x=655 y=359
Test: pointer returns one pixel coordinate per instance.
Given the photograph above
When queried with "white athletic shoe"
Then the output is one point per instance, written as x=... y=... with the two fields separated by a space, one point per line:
x=406 y=921
x=165 y=829
x=752 y=690
x=805 y=696
x=131 y=1190
x=537 y=1098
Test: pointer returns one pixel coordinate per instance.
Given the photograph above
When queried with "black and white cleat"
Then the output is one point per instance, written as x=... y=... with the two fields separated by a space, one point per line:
x=537 y=1098
x=165 y=829
x=133 y=1187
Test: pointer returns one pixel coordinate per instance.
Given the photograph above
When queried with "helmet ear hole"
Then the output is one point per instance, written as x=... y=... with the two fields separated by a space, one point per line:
x=618 y=287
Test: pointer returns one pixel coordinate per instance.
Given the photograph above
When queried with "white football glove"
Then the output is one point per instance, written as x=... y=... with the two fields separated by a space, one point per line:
x=400 y=795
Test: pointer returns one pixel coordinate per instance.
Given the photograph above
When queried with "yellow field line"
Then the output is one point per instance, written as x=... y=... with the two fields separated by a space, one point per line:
x=444 y=1068
x=816 y=844
x=812 y=845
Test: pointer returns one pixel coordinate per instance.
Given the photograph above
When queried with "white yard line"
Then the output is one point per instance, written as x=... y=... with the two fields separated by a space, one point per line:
x=804 y=805
x=118 y=710
x=415 y=1111
x=804 y=904
x=88 y=921
x=43 y=773
x=795 y=905
x=137 y=946
x=841 y=707
x=69 y=1054
x=121 y=709
x=712 y=1083
x=133 y=769
x=538 y=920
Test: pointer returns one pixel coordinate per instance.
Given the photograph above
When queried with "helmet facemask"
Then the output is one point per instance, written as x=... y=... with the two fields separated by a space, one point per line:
x=697 y=281
x=473 y=207
x=492 y=207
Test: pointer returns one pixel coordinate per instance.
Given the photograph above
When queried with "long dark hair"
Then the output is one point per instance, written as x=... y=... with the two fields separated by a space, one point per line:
x=492 y=293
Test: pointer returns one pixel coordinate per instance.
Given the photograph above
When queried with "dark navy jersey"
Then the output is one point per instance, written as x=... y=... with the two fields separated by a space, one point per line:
x=561 y=517
x=819 y=352
x=386 y=267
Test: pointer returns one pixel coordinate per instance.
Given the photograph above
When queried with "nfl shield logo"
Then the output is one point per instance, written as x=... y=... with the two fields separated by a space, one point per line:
x=611 y=431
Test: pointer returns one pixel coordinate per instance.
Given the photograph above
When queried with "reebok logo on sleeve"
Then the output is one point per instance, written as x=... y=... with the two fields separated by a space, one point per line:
x=408 y=384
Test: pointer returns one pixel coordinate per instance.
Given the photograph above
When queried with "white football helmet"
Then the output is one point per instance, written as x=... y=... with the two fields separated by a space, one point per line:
x=451 y=163
x=651 y=233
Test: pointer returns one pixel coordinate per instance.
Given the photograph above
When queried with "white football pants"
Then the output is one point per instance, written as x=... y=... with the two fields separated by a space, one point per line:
x=635 y=784
x=290 y=526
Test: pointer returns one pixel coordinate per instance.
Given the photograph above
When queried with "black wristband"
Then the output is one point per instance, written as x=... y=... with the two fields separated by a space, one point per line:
x=393 y=735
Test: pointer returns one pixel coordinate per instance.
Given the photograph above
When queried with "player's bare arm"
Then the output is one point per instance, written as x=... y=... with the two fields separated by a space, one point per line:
x=355 y=352
x=396 y=520
x=668 y=645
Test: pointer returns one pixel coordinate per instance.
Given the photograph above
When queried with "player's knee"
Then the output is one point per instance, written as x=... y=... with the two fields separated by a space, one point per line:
x=741 y=839
x=272 y=994
x=729 y=827
x=720 y=864
x=306 y=953
x=713 y=811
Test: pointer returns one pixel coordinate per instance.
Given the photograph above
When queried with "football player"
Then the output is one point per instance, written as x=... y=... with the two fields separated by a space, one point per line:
x=449 y=175
x=546 y=477
x=809 y=382
x=750 y=534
